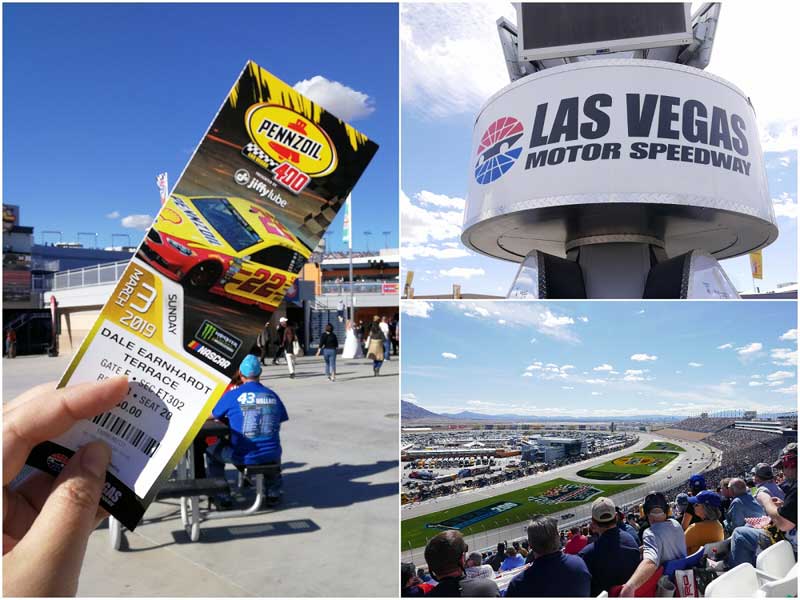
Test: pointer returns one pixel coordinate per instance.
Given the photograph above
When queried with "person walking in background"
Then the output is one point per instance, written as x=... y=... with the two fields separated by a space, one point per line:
x=350 y=341
x=387 y=344
x=328 y=344
x=394 y=334
x=375 y=345
x=361 y=332
x=262 y=341
x=281 y=329
x=290 y=346
x=11 y=343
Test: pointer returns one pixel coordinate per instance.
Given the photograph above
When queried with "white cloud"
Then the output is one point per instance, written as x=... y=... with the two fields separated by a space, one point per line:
x=640 y=312
x=417 y=308
x=409 y=397
x=567 y=367
x=789 y=335
x=421 y=226
x=725 y=346
x=501 y=321
x=597 y=393
x=696 y=365
x=451 y=56
x=550 y=320
x=432 y=251
x=583 y=319
x=750 y=348
x=524 y=315
x=595 y=381
x=755 y=383
x=439 y=200
x=137 y=221
x=604 y=367
x=778 y=375
x=527 y=374
x=343 y=101
x=785 y=206
x=783 y=357
x=791 y=390
x=567 y=387
x=462 y=272
x=114 y=214
x=643 y=357
x=449 y=355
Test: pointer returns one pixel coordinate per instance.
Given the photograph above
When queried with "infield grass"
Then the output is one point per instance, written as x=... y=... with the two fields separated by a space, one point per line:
x=663 y=447
x=414 y=534
x=631 y=466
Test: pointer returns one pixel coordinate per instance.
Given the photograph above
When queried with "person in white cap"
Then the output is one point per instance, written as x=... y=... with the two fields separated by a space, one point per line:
x=279 y=339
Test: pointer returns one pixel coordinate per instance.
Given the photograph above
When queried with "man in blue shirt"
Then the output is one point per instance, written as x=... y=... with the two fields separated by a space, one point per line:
x=254 y=414
x=742 y=506
x=552 y=573
x=613 y=558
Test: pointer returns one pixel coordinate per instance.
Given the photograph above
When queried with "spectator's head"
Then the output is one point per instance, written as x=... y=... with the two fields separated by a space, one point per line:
x=407 y=578
x=655 y=507
x=604 y=515
x=724 y=488
x=631 y=518
x=283 y=321
x=584 y=531
x=445 y=554
x=516 y=546
x=682 y=501
x=788 y=461
x=762 y=472
x=328 y=328
x=697 y=483
x=543 y=536
x=575 y=530
x=250 y=368
x=376 y=319
x=706 y=505
x=420 y=572
x=737 y=487
x=501 y=548
x=474 y=560
x=511 y=551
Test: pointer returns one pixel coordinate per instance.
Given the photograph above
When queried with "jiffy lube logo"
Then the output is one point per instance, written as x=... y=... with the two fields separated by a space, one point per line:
x=498 y=150
x=289 y=137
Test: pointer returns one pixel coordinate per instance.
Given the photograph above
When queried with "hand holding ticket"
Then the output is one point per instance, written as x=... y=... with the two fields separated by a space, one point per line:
x=46 y=524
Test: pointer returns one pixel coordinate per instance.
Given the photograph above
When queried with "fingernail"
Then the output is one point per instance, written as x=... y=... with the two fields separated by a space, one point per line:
x=95 y=458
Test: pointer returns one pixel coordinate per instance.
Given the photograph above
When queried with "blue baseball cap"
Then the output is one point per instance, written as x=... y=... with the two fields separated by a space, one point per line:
x=250 y=367
x=682 y=499
x=697 y=483
x=707 y=497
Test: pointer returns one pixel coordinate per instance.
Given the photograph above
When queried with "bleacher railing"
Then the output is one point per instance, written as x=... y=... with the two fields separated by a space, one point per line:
x=86 y=276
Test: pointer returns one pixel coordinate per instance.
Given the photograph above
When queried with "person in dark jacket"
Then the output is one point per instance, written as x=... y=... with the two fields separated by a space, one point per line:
x=279 y=339
x=445 y=557
x=328 y=344
x=289 y=339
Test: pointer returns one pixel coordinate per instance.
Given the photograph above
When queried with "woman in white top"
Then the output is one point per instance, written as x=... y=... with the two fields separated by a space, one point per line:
x=350 y=341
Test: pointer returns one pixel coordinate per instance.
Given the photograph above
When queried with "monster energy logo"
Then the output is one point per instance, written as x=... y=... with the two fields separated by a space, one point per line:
x=207 y=330
x=218 y=339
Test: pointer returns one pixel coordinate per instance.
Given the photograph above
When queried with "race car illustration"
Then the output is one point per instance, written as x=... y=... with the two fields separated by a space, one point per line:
x=228 y=246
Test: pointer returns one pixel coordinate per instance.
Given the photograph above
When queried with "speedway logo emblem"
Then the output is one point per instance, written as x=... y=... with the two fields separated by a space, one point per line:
x=217 y=338
x=497 y=152
x=288 y=137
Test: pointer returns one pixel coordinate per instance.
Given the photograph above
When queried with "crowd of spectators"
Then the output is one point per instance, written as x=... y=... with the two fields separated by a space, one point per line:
x=623 y=550
x=704 y=424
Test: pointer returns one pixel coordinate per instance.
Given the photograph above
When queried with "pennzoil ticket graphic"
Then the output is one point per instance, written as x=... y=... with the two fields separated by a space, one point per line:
x=263 y=185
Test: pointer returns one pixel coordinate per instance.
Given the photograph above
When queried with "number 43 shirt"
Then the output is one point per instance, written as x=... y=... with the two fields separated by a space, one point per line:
x=254 y=414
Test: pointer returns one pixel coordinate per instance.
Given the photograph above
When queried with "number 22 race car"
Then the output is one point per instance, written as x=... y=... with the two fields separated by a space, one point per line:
x=228 y=246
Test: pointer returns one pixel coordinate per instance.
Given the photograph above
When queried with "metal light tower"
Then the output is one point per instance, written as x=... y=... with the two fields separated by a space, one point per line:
x=366 y=235
x=386 y=238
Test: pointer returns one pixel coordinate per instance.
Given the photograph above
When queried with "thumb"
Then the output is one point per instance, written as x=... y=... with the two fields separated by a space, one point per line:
x=61 y=531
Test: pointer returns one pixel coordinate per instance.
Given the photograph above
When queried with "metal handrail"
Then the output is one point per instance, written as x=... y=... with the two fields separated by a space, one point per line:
x=101 y=274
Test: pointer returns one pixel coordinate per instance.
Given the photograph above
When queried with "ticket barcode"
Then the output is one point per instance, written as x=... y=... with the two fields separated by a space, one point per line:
x=124 y=430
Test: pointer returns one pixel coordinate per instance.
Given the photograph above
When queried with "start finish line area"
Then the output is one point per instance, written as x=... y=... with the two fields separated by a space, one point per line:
x=340 y=495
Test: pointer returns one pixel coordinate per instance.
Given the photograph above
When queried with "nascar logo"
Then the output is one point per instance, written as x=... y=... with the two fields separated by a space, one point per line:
x=207 y=352
x=286 y=136
x=497 y=152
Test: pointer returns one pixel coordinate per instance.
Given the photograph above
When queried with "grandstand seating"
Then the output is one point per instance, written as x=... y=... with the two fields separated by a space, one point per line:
x=777 y=560
x=739 y=582
x=704 y=424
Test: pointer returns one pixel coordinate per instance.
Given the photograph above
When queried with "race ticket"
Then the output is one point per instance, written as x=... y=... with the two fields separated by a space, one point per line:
x=261 y=188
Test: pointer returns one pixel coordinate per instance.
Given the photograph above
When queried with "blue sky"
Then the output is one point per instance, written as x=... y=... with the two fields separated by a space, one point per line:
x=599 y=358
x=447 y=78
x=98 y=99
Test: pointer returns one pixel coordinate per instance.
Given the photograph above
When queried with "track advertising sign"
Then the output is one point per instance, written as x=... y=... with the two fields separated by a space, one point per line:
x=259 y=192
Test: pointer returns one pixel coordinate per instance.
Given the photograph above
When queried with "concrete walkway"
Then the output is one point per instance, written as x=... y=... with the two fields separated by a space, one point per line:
x=338 y=522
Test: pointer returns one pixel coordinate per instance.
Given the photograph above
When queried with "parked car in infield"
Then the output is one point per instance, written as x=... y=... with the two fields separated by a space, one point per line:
x=228 y=246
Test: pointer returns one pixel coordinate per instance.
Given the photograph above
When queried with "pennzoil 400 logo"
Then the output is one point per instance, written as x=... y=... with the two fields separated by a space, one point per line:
x=292 y=147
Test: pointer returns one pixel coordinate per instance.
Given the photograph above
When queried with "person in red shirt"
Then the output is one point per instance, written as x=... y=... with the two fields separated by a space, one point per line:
x=577 y=542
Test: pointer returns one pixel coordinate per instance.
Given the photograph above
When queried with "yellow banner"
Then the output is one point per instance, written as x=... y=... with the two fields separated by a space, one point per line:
x=757 y=265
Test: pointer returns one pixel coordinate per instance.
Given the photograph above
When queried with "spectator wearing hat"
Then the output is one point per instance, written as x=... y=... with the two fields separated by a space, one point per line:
x=552 y=574
x=766 y=488
x=697 y=483
x=476 y=568
x=707 y=509
x=614 y=556
x=743 y=505
x=633 y=523
x=747 y=541
x=577 y=542
x=445 y=557
x=662 y=541
x=254 y=414
x=681 y=502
